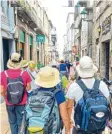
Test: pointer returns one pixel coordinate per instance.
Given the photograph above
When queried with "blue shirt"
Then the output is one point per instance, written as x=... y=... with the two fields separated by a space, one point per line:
x=60 y=97
x=63 y=67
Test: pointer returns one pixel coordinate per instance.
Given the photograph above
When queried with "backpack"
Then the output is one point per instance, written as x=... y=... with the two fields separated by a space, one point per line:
x=92 y=110
x=42 y=112
x=15 y=89
x=33 y=85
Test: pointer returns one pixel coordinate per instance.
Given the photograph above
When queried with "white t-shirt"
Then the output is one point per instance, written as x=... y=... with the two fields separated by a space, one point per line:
x=76 y=93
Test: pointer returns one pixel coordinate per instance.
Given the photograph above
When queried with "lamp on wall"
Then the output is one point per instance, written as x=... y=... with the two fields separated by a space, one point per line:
x=99 y=29
x=84 y=14
x=78 y=5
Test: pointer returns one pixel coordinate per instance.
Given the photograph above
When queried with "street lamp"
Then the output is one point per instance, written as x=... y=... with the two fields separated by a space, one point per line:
x=78 y=5
x=84 y=16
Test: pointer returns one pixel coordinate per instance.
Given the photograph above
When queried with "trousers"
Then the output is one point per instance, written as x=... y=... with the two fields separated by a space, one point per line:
x=15 y=116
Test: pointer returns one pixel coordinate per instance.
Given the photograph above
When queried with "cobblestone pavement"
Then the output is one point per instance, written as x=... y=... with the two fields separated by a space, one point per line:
x=5 y=129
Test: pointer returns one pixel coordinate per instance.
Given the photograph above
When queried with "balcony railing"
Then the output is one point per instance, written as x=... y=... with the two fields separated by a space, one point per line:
x=98 y=2
x=4 y=19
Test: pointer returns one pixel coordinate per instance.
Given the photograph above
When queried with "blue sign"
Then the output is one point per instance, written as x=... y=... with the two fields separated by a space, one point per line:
x=40 y=38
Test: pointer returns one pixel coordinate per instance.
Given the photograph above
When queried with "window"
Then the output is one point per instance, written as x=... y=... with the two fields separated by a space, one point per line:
x=30 y=40
x=22 y=36
x=2 y=5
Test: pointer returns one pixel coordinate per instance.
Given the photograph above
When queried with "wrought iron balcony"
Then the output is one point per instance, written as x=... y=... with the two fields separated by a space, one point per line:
x=28 y=14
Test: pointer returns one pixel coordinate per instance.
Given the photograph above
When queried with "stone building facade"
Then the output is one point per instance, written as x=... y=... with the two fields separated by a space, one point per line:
x=7 y=45
x=102 y=37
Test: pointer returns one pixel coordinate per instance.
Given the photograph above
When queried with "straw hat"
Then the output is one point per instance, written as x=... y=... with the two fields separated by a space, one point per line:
x=86 y=67
x=31 y=64
x=24 y=63
x=47 y=77
x=15 y=61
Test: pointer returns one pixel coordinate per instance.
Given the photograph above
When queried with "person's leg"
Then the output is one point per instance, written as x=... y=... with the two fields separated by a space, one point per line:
x=19 y=114
x=12 y=118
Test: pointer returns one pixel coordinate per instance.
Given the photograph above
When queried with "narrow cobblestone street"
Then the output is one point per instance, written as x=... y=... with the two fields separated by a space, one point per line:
x=63 y=45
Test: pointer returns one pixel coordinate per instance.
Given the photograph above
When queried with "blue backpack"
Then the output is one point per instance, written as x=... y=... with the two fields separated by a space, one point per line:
x=93 y=110
x=42 y=111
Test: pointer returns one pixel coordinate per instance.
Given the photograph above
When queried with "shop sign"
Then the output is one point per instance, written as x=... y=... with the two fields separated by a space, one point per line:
x=40 y=38
x=75 y=50
x=106 y=25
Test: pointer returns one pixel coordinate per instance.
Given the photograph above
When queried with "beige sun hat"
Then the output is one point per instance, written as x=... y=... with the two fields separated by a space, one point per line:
x=15 y=61
x=31 y=64
x=47 y=77
x=86 y=67
x=24 y=63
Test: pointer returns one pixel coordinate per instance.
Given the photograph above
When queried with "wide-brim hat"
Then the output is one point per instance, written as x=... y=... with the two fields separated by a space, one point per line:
x=15 y=61
x=86 y=67
x=24 y=63
x=31 y=64
x=47 y=77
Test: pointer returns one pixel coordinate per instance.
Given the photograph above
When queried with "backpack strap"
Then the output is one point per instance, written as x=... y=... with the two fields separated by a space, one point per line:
x=56 y=90
x=82 y=85
x=96 y=84
x=31 y=75
x=6 y=74
x=21 y=73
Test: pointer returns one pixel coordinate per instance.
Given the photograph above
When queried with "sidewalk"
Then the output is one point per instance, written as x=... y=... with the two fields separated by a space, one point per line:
x=5 y=129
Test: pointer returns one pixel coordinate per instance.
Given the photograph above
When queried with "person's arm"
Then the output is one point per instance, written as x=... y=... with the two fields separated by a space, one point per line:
x=61 y=101
x=28 y=81
x=65 y=117
x=28 y=86
x=70 y=104
x=2 y=91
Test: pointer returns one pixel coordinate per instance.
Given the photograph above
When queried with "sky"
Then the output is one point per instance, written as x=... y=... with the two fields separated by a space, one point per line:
x=58 y=14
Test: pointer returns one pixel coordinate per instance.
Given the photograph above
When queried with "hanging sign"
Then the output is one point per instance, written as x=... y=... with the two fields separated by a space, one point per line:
x=40 y=38
x=75 y=50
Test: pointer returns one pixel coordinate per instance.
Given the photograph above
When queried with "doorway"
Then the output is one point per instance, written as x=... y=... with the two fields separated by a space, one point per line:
x=21 y=49
x=37 y=56
x=31 y=52
x=5 y=43
x=107 y=56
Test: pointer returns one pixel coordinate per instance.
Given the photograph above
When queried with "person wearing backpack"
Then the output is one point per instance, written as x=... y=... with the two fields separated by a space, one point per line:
x=90 y=98
x=14 y=83
x=47 y=105
x=32 y=72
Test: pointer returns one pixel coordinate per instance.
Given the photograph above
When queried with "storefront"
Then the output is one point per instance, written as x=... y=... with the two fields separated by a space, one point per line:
x=20 y=43
x=105 y=49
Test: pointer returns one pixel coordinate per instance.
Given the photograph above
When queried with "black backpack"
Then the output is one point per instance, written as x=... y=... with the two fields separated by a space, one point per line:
x=93 y=110
x=15 y=89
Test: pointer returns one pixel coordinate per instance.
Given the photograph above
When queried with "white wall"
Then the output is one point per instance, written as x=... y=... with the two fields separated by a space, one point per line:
x=70 y=32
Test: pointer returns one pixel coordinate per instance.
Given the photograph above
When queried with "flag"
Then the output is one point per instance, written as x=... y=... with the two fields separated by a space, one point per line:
x=70 y=3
